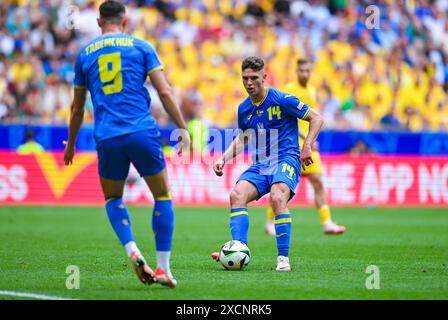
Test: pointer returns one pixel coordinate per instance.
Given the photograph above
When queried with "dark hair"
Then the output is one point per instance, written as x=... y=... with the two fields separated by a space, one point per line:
x=254 y=63
x=112 y=10
x=29 y=135
x=302 y=61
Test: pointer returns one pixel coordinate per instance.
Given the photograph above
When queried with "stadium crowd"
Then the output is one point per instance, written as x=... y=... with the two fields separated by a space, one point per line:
x=372 y=73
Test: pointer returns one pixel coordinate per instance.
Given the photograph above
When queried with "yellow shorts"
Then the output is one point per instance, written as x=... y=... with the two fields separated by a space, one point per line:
x=315 y=167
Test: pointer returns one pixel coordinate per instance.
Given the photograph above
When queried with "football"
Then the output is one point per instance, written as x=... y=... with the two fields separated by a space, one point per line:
x=234 y=255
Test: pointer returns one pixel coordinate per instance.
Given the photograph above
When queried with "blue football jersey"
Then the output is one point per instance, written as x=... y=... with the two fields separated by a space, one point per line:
x=114 y=68
x=273 y=123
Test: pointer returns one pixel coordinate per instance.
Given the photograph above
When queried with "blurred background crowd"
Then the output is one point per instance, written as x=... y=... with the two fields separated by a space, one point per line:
x=389 y=73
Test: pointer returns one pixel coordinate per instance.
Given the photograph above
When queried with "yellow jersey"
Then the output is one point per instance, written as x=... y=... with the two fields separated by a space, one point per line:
x=308 y=96
x=30 y=148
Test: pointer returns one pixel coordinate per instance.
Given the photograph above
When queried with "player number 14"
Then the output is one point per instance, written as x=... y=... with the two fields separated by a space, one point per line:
x=275 y=111
x=110 y=71
x=290 y=169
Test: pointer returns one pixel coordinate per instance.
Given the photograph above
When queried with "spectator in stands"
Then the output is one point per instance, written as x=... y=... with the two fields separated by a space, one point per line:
x=30 y=146
x=200 y=43
x=390 y=121
x=331 y=106
x=360 y=148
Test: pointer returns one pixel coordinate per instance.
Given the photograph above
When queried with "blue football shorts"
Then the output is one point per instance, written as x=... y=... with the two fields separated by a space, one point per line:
x=141 y=148
x=263 y=176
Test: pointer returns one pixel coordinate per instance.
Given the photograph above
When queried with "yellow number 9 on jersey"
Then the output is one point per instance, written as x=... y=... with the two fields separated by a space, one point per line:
x=110 y=70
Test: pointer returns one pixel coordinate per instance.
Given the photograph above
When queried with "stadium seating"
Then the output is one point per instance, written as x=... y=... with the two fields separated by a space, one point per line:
x=394 y=77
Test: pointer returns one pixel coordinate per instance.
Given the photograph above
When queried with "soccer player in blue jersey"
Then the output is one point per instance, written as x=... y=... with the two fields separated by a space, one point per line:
x=114 y=68
x=269 y=118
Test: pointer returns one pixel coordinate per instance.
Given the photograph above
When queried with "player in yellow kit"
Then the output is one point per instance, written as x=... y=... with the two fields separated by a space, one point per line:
x=307 y=93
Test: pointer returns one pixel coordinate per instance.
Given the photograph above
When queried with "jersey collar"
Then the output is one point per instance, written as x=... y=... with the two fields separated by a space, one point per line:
x=257 y=104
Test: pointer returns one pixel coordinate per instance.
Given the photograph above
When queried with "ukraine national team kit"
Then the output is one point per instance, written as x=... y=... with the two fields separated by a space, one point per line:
x=114 y=68
x=273 y=122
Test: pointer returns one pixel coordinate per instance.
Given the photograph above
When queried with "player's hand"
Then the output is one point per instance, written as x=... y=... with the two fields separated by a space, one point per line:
x=69 y=153
x=184 y=142
x=218 y=167
x=306 y=156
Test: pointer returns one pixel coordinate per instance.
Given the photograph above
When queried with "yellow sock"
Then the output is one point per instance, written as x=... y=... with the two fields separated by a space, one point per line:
x=270 y=216
x=324 y=214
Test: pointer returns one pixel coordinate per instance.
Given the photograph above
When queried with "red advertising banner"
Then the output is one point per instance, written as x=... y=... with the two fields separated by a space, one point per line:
x=349 y=181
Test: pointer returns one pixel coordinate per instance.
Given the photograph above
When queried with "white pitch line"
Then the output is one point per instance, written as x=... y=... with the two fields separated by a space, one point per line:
x=31 y=295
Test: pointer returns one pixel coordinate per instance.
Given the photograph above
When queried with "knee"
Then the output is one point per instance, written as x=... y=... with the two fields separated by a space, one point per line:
x=278 y=200
x=236 y=196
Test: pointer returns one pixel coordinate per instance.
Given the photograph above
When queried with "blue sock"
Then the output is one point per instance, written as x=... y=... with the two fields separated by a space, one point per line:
x=163 y=223
x=119 y=219
x=239 y=224
x=283 y=233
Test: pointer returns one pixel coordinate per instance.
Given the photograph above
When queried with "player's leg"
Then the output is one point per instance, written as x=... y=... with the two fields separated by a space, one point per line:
x=162 y=225
x=113 y=167
x=280 y=195
x=321 y=205
x=145 y=151
x=117 y=212
x=319 y=197
x=121 y=223
x=314 y=172
x=269 y=226
x=242 y=193
x=251 y=186
x=283 y=185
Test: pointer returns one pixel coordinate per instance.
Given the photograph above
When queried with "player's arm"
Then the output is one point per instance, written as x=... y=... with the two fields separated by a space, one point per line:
x=316 y=122
x=166 y=95
x=76 y=119
x=314 y=146
x=296 y=108
x=232 y=151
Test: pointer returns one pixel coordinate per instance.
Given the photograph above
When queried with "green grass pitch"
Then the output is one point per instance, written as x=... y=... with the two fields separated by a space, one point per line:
x=409 y=246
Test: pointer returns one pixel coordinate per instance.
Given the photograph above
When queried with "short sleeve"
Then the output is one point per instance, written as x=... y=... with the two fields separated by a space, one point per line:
x=151 y=59
x=294 y=107
x=80 y=79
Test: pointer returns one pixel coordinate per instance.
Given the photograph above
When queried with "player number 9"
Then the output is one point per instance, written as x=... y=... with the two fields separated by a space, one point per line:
x=110 y=70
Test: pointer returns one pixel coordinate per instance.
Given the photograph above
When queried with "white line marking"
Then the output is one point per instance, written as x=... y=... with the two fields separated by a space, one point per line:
x=31 y=295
